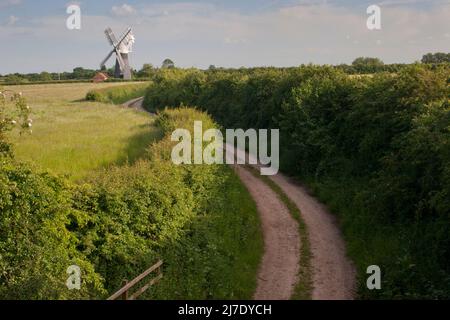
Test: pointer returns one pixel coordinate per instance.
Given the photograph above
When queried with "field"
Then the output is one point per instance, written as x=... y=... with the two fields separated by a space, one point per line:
x=115 y=223
x=72 y=137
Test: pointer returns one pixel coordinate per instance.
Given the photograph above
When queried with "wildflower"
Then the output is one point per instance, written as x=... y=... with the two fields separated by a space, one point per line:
x=13 y=122
x=30 y=124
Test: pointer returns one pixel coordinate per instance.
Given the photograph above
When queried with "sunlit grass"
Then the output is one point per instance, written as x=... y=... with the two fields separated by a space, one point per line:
x=74 y=137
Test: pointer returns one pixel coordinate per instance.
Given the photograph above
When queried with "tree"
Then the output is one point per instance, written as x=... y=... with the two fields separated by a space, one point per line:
x=438 y=57
x=81 y=73
x=147 y=71
x=367 y=64
x=168 y=64
x=45 y=76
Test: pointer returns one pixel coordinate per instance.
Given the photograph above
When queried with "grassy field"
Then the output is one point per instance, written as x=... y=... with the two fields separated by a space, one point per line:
x=72 y=137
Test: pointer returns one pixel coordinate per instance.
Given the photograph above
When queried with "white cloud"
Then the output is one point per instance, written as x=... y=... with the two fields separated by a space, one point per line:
x=123 y=10
x=199 y=35
x=12 y=20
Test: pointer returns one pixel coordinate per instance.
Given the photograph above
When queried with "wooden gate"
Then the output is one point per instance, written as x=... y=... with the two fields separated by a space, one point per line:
x=124 y=292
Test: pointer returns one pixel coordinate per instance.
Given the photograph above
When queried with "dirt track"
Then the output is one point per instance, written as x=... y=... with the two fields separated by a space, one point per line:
x=334 y=276
x=280 y=264
x=135 y=104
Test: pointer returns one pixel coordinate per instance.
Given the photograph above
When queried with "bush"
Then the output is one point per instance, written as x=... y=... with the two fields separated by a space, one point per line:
x=375 y=149
x=199 y=219
x=117 y=94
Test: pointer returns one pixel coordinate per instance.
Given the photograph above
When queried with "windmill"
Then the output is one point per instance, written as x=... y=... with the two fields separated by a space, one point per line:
x=121 y=48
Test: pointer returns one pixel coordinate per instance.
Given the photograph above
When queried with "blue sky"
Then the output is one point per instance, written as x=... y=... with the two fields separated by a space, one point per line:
x=227 y=33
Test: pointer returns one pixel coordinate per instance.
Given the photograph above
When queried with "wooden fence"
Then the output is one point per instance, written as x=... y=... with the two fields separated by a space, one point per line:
x=124 y=292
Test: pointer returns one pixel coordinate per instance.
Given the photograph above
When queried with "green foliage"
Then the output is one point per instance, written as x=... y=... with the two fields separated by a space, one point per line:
x=36 y=247
x=117 y=95
x=438 y=57
x=168 y=64
x=367 y=65
x=375 y=149
x=14 y=111
x=199 y=219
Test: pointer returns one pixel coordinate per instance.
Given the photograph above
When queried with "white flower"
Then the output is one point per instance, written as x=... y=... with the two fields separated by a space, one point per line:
x=30 y=120
x=13 y=122
x=30 y=125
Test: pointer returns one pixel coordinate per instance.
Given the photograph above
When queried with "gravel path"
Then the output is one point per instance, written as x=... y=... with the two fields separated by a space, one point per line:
x=280 y=264
x=334 y=276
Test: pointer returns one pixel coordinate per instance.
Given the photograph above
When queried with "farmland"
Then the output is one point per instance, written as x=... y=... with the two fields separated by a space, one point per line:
x=72 y=136
x=374 y=149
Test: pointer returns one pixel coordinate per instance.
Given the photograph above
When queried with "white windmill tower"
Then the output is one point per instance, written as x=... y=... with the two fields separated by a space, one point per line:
x=122 y=48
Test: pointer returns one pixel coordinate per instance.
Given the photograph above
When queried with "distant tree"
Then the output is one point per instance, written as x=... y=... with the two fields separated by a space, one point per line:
x=45 y=76
x=81 y=73
x=147 y=71
x=14 y=79
x=438 y=57
x=212 y=67
x=168 y=64
x=367 y=64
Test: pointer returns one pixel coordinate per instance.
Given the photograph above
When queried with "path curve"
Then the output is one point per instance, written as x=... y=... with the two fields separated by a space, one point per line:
x=278 y=272
x=135 y=104
x=334 y=275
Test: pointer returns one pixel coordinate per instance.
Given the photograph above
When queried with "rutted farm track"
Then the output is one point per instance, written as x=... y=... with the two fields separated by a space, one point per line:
x=333 y=274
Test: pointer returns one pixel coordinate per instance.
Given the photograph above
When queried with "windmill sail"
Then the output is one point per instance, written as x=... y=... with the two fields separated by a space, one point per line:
x=121 y=48
x=111 y=37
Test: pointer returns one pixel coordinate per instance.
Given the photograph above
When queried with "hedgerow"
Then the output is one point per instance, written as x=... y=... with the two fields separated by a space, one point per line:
x=114 y=225
x=375 y=149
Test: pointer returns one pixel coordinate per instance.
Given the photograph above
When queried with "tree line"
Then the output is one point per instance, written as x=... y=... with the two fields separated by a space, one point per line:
x=361 y=65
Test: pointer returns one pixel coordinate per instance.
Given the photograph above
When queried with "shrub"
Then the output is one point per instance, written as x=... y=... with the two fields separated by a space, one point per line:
x=375 y=149
x=117 y=94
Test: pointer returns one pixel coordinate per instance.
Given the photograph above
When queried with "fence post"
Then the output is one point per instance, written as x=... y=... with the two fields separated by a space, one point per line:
x=125 y=294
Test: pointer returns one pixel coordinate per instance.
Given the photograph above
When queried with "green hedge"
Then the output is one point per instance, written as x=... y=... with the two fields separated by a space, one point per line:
x=375 y=149
x=199 y=219
x=117 y=94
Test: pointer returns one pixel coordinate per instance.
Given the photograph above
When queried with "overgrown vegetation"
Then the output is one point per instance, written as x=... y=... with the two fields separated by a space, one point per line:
x=117 y=95
x=375 y=149
x=118 y=222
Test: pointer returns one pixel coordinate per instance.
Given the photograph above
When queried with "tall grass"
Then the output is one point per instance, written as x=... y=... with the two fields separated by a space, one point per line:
x=73 y=137
x=118 y=95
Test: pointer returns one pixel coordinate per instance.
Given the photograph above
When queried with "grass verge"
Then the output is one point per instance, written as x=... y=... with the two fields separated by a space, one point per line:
x=118 y=95
x=303 y=289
